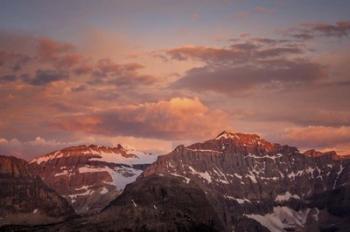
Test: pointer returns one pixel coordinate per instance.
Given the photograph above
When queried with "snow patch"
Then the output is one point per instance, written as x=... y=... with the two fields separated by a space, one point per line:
x=281 y=218
x=121 y=176
x=133 y=202
x=202 y=150
x=186 y=179
x=47 y=158
x=239 y=200
x=252 y=177
x=341 y=169
x=104 y=190
x=221 y=175
x=113 y=157
x=286 y=196
x=273 y=157
x=204 y=175
x=63 y=173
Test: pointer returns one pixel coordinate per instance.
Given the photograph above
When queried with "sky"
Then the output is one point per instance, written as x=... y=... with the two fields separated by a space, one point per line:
x=158 y=73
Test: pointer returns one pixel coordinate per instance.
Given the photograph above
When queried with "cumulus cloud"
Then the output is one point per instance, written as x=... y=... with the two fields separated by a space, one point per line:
x=177 y=118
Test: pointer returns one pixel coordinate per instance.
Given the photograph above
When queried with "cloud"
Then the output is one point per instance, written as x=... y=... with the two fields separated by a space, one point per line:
x=8 y=78
x=178 y=118
x=241 y=52
x=31 y=148
x=58 y=53
x=109 y=72
x=44 y=77
x=3 y=141
x=320 y=137
x=51 y=61
x=311 y=30
x=13 y=61
x=233 y=80
x=249 y=64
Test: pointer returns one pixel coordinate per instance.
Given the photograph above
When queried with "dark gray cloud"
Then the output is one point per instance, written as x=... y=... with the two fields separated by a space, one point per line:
x=108 y=72
x=238 y=52
x=13 y=61
x=55 y=61
x=233 y=80
x=8 y=78
x=44 y=77
x=311 y=30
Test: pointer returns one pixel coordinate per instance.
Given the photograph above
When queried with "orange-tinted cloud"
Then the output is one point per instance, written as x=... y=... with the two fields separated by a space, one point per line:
x=322 y=137
x=52 y=61
x=178 y=118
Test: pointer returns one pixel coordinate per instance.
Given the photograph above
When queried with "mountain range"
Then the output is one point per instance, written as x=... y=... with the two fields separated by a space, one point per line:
x=233 y=182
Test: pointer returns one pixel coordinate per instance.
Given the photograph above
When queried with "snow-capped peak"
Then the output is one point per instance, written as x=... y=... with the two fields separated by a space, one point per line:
x=117 y=154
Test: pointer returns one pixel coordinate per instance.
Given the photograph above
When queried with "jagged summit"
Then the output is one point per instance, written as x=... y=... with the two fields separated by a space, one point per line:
x=243 y=139
x=226 y=134
x=92 y=148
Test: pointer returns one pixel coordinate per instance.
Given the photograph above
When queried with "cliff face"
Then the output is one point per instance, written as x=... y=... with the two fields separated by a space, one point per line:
x=244 y=176
x=248 y=167
x=13 y=167
x=89 y=177
x=25 y=199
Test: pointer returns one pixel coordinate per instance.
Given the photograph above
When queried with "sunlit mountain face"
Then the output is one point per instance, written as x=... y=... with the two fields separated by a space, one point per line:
x=103 y=100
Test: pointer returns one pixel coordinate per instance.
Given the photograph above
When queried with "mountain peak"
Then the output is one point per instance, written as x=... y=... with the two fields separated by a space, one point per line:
x=252 y=138
x=226 y=134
